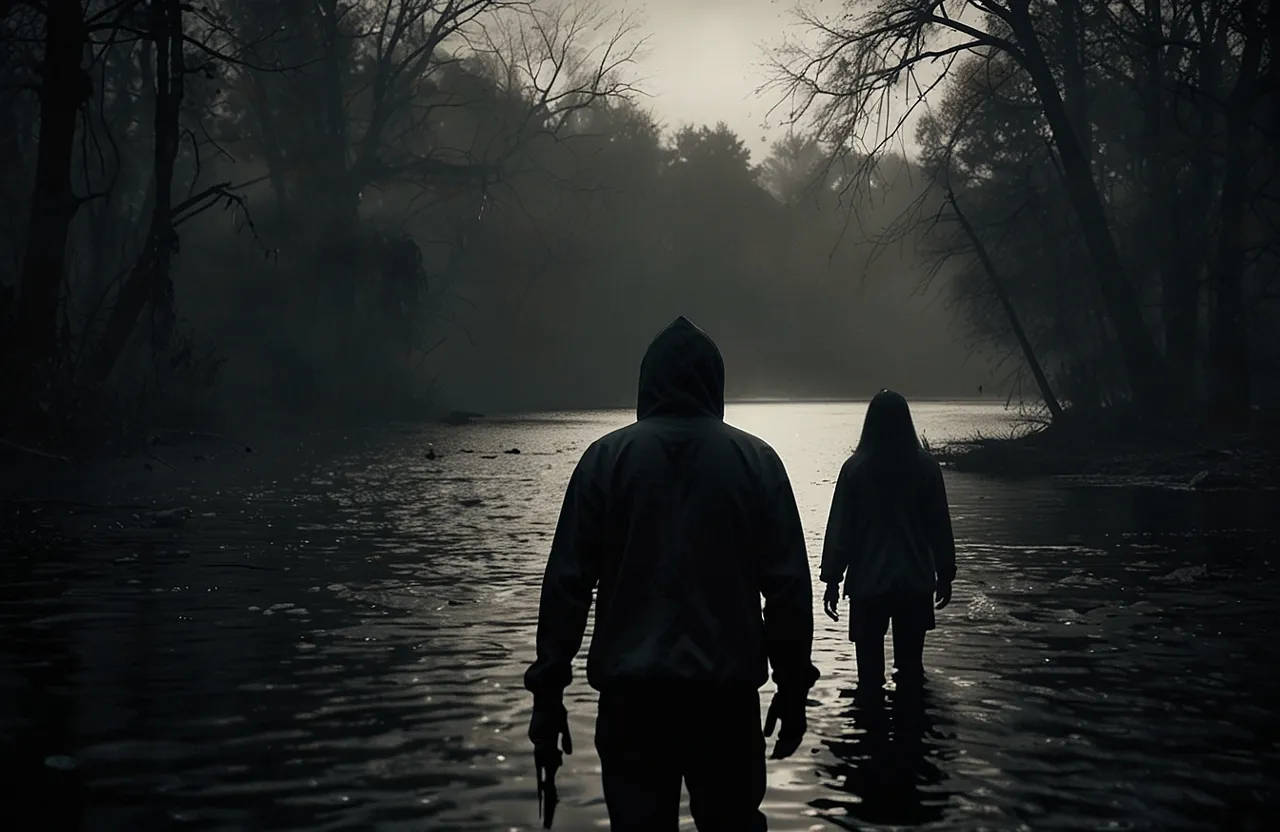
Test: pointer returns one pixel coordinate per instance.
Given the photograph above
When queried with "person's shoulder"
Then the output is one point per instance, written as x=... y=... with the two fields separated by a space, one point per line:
x=611 y=442
x=852 y=462
x=929 y=463
x=760 y=449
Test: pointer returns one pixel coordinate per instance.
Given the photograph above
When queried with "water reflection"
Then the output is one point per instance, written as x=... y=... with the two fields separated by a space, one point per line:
x=334 y=640
x=888 y=760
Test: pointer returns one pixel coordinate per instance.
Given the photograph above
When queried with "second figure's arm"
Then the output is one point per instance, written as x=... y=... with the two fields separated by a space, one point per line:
x=941 y=539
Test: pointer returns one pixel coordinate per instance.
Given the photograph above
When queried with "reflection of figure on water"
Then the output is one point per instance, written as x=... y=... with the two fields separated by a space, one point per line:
x=684 y=523
x=885 y=759
x=889 y=540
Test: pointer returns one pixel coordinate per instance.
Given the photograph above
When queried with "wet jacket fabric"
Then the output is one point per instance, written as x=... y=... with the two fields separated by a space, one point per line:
x=880 y=546
x=683 y=523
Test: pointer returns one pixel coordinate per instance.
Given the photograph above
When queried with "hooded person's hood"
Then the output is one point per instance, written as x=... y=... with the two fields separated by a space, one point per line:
x=682 y=374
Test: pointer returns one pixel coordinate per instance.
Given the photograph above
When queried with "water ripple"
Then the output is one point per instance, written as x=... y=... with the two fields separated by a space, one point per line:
x=336 y=641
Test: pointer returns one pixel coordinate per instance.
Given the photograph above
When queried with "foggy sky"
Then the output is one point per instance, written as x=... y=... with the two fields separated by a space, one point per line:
x=703 y=63
x=705 y=60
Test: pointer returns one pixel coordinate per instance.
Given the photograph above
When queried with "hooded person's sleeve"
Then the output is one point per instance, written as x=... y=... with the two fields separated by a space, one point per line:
x=837 y=544
x=787 y=586
x=570 y=577
x=938 y=526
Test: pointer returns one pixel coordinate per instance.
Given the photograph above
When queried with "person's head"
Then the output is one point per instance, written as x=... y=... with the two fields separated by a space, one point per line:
x=888 y=430
x=682 y=374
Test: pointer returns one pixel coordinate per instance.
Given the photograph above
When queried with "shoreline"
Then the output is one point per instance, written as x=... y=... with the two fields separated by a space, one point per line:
x=1190 y=458
x=1170 y=455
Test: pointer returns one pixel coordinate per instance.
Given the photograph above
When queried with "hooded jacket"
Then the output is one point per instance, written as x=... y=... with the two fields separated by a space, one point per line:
x=683 y=523
x=878 y=546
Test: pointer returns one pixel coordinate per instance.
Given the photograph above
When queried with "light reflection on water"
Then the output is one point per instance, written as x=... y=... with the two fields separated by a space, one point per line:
x=336 y=641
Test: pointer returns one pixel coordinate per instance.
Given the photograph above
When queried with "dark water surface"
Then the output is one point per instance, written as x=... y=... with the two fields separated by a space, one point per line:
x=334 y=638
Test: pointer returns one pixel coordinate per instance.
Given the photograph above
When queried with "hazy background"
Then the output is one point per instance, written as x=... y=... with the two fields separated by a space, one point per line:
x=703 y=63
x=311 y=211
x=369 y=226
x=874 y=325
x=711 y=60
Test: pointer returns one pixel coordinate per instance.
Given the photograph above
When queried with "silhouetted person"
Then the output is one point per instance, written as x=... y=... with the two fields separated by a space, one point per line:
x=889 y=540
x=683 y=522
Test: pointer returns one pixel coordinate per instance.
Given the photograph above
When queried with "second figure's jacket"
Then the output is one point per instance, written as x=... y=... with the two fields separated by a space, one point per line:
x=878 y=545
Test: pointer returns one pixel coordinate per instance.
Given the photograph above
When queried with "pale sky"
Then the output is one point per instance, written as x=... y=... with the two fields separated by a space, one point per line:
x=704 y=63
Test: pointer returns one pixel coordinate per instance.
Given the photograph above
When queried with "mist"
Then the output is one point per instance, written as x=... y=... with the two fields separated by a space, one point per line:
x=377 y=217
x=314 y=313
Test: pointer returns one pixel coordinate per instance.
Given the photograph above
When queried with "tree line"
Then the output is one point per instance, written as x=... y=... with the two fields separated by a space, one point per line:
x=311 y=208
x=133 y=116
x=1104 y=180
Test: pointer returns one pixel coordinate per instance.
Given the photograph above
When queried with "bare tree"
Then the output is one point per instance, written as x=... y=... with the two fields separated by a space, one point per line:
x=1006 y=304
x=63 y=89
x=381 y=76
x=846 y=83
x=150 y=282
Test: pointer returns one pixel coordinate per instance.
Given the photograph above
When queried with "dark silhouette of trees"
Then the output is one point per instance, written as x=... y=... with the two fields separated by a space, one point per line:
x=308 y=212
x=1119 y=145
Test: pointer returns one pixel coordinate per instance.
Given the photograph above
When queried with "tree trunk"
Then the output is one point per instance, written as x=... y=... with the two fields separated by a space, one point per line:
x=1230 y=344
x=1170 y=238
x=149 y=280
x=53 y=202
x=1028 y=352
x=1184 y=247
x=269 y=134
x=1075 y=85
x=341 y=188
x=1144 y=365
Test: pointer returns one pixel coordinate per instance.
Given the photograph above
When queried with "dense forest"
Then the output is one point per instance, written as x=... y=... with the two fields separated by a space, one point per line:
x=306 y=212
x=1106 y=171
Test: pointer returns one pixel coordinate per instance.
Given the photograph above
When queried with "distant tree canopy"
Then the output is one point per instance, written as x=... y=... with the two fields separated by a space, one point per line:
x=341 y=204
x=1117 y=163
x=659 y=224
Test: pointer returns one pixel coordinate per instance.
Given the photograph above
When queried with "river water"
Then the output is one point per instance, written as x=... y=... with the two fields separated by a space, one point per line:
x=332 y=637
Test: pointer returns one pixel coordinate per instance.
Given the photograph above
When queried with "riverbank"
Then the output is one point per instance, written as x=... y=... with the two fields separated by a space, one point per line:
x=1174 y=455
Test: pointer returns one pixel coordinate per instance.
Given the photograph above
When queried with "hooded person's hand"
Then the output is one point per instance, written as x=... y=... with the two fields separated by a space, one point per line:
x=831 y=601
x=787 y=707
x=549 y=727
x=943 y=595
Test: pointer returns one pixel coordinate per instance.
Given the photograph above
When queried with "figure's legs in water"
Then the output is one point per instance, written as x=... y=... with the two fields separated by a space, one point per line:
x=908 y=654
x=870 y=654
x=724 y=769
x=868 y=624
x=640 y=797
x=640 y=775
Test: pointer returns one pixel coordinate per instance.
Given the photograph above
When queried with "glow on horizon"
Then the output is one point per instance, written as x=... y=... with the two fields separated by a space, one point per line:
x=705 y=61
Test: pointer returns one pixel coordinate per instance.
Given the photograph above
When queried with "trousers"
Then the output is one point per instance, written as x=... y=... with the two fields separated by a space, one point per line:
x=869 y=618
x=652 y=738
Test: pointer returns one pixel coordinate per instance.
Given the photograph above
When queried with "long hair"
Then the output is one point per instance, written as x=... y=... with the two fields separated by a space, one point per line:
x=889 y=445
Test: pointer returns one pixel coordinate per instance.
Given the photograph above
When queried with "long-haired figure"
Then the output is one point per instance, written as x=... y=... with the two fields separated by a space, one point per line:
x=889 y=541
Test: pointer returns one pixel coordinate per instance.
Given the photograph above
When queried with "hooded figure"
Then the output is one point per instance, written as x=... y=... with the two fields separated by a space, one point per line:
x=681 y=524
x=889 y=541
